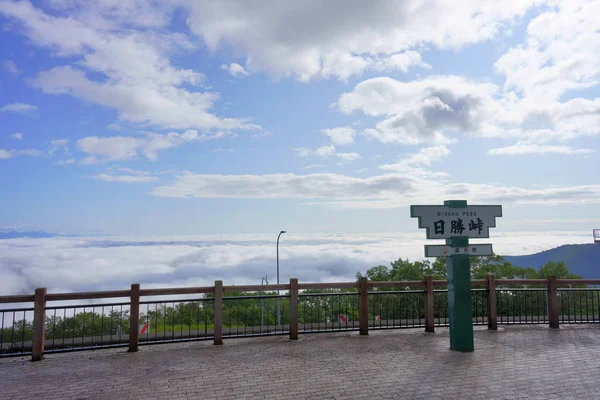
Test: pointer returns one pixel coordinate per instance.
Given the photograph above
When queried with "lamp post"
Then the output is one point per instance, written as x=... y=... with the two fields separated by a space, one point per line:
x=262 y=281
x=278 y=299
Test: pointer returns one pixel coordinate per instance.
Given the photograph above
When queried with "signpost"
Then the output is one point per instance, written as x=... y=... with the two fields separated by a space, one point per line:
x=457 y=223
x=447 y=251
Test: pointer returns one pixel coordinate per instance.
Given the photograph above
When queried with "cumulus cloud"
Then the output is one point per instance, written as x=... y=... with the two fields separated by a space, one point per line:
x=118 y=148
x=18 y=136
x=424 y=157
x=560 y=52
x=5 y=154
x=414 y=164
x=421 y=111
x=382 y=191
x=11 y=67
x=328 y=151
x=344 y=38
x=530 y=148
x=349 y=156
x=130 y=51
x=340 y=136
x=57 y=144
x=21 y=108
x=125 y=178
x=235 y=69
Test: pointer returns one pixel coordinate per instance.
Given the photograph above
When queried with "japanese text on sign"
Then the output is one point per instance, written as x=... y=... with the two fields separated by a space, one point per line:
x=443 y=222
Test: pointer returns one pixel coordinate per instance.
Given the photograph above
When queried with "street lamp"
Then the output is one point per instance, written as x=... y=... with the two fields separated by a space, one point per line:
x=278 y=299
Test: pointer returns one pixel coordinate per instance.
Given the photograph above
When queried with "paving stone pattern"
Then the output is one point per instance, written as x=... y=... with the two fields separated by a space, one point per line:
x=516 y=362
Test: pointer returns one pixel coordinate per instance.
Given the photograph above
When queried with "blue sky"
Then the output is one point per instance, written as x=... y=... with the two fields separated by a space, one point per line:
x=141 y=117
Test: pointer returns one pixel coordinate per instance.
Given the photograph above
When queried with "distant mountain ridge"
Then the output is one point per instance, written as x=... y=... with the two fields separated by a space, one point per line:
x=581 y=259
x=31 y=234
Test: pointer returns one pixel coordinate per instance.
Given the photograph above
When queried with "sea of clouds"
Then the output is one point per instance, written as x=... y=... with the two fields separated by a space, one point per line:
x=67 y=264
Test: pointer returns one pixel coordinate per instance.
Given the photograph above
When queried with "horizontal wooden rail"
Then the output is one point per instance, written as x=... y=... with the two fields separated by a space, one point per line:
x=372 y=284
x=521 y=281
x=17 y=299
x=87 y=295
x=479 y=282
x=255 y=288
x=176 y=291
x=332 y=285
x=578 y=281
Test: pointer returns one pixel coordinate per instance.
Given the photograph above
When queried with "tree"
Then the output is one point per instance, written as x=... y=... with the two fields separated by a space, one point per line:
x=378 y=273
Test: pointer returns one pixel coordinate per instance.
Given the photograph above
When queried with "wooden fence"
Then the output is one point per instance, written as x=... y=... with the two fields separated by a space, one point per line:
x=41 y=297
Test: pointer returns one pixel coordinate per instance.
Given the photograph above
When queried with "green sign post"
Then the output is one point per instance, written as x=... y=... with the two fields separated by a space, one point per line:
x=456 y=223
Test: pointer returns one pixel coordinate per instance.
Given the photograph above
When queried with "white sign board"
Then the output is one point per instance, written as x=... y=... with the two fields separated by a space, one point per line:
x=443 y=222
x=447 y=251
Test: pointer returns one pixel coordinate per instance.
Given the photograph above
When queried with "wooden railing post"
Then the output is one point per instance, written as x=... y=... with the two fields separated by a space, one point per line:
x=364 y=306
x=294 y=309
x=39 y=325
x=553 y=301
x=429 y=316
x=492 y=311
x=218 y=329
x=134 y=317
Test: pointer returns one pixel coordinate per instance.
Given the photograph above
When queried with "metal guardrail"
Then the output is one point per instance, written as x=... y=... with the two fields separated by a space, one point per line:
x=86 y=327
x=15 y=331
x=522 y=306
x=328 y=312
x=579 y=305
x=397 y=309
x=218 y=312
x=176 y=321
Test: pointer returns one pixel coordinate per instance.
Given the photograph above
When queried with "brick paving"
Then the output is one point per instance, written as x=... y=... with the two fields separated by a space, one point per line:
x=516 y=362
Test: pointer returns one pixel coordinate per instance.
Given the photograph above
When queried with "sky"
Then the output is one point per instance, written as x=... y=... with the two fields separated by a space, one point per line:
x=142 y=117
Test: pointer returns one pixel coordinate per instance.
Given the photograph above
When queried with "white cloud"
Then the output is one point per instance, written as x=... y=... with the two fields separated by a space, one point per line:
x=530 y=148
x=302 y=151
x=340 y=136
x=68 y=161
x=116 y=148
x=423 y=158
x=325 y=151
x=236 y=70
x=5 y=154
x=383 y=191
x=112 y=148
x=112 y=263
x=344 y=38
x=560 y=52
x=57 y=144
x=220 y=150
x=11 y=67
x=18 y=136
x=401 y=62
x=18 y=108
x=348 y=157
x=558 y=58
x=125 y=178
x=314 y=166
x=130 y=52
x=261 y=135
x=421 y=111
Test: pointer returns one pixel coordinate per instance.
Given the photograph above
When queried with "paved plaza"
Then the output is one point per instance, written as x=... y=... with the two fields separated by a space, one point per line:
x=515 y=362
